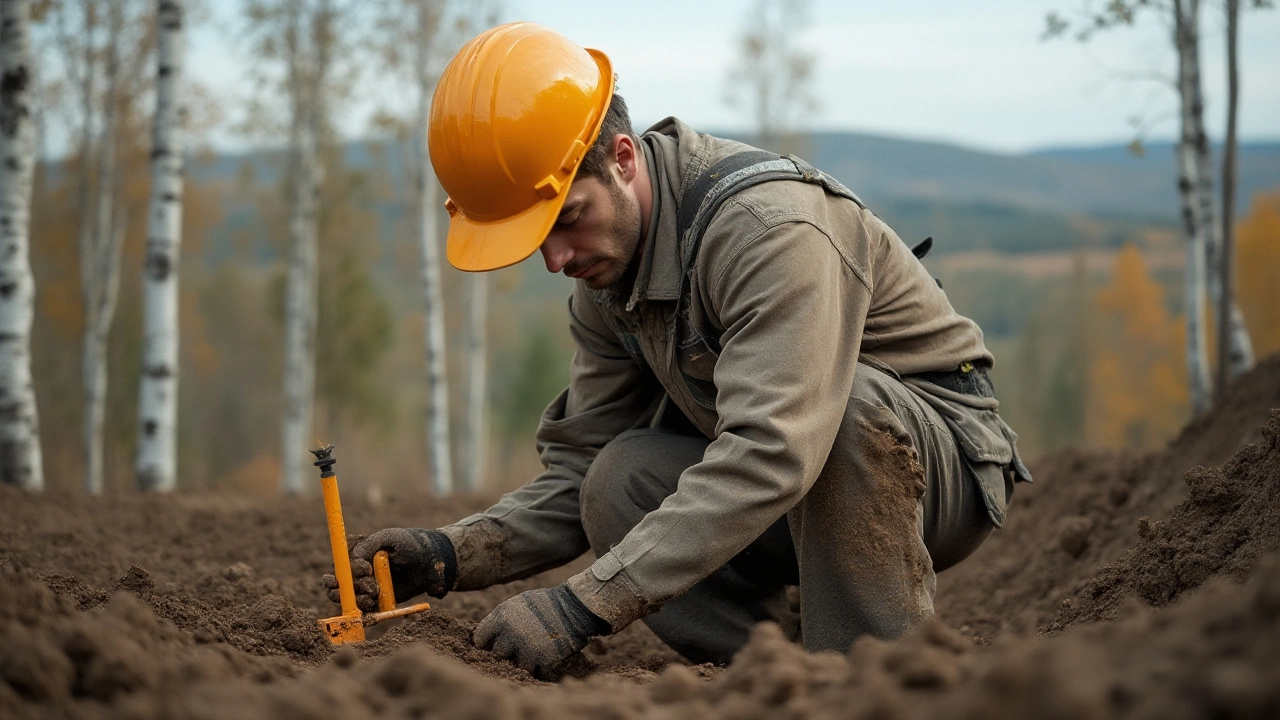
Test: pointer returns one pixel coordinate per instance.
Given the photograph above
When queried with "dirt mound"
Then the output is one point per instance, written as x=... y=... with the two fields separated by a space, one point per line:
x=196 y=606
x=1083 y=511
x=1215 y=654
x=1231 y=517
x=271 y=625
x=446 y=635
x=55 y=658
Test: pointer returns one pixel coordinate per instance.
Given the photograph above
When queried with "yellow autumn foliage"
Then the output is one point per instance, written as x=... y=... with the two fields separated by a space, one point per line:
x=1258 y=272
x=1137 y=374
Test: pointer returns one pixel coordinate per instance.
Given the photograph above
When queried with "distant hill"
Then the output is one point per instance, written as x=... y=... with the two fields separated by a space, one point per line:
x=1089 y=180
x=968 y=199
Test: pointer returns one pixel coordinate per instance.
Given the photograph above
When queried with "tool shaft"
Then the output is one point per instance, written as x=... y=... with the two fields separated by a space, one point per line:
x=338 y=541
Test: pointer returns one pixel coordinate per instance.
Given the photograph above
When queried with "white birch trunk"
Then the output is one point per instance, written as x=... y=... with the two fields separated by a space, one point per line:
x=307 y=86
x=433 y=302
x=20 y=459
x=1240 y=350
x=1229 y=312
x=438 y=448
x=474 y=445
x=1194 y=221
x=101 y=267
x=158 y=391
x=300 y=315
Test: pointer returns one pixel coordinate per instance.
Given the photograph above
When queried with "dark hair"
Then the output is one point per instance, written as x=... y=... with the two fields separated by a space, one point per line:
x=617 y=121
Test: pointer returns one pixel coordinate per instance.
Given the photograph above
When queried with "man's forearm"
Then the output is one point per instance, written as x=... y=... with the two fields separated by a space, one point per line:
x=530 y=530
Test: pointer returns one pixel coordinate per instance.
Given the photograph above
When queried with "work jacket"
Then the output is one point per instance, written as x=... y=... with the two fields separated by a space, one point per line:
x=790 y=290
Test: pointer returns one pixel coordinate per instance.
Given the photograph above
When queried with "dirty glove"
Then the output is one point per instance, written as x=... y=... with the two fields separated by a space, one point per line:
x=422 y=561
x=538 y=629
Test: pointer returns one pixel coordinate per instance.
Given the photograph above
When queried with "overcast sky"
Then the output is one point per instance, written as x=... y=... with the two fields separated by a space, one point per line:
x=974 y=73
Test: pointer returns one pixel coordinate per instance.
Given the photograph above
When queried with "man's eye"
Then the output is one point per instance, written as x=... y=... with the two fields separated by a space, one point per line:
x=569 y=218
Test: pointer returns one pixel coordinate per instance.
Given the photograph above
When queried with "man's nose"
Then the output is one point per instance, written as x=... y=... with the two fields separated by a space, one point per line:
x=556 y=254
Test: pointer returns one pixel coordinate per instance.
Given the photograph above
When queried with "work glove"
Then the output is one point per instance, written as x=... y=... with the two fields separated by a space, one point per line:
x=422 y=561
x=538 y=629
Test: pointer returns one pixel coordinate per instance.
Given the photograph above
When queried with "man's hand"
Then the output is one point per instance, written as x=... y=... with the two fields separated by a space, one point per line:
x=538 y=629
x=422 y=561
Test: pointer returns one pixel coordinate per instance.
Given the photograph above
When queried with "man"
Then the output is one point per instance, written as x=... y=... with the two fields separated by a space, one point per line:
x=768 y=389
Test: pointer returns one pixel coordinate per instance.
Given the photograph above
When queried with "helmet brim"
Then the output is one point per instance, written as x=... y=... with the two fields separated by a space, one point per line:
x=475 y=246
x=482 y=246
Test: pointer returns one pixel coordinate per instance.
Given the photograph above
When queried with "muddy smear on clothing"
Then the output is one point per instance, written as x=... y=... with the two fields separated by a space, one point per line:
x=196 y=606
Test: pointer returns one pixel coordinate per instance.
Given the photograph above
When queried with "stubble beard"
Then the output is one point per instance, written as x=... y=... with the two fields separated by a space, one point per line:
x=623 y=243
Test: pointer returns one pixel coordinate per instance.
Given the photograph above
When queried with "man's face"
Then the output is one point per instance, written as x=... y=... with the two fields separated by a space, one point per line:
x=596 y=236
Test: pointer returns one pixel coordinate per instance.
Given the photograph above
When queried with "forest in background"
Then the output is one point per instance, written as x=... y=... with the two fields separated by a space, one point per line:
x=1085 y=327
x=1080 y=299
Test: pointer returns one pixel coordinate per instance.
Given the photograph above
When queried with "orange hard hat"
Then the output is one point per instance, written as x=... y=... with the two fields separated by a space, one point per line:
x=513 y=115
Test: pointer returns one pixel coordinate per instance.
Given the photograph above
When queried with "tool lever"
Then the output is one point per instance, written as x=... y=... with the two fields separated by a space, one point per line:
x=382 y=573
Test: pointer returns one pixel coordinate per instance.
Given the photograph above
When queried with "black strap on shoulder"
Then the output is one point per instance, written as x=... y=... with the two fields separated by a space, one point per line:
x=733 y=174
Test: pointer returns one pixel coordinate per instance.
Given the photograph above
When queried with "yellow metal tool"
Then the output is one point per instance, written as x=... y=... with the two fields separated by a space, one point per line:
x=350 y=625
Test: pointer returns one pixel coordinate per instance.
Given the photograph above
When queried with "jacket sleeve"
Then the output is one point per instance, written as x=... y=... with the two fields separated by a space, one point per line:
x=792 y=304
x=538 y=527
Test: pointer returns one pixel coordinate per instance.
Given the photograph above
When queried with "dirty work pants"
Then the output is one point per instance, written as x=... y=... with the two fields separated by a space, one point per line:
x=863 y=544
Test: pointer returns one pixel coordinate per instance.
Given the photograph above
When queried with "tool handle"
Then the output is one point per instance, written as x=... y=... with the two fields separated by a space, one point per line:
x=338 y=544
x=382 y=573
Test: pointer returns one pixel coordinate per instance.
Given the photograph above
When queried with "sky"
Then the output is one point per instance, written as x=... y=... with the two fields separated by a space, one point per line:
x=972 y=73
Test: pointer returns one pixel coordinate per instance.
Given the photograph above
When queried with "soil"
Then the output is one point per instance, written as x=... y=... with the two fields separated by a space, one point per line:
x=1122 y=585
x=1084 y=511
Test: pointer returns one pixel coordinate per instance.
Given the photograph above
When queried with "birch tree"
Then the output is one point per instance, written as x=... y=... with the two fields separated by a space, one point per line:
x=302 y=56
x=436 y=29
x=100 y=241
x=1239 y=355
x=1235 y=352
x=771 y=77
x=1227 y=265
x=474 y=443
x=1204 y=234
x=475 y=429
x=427 y=32
x=20 y=460
x=98 y=52
x=1191 y=183
x=158 y=392
x=306 y=174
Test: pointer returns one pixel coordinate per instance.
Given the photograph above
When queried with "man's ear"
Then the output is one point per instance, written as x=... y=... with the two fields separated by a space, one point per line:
x=625 y=154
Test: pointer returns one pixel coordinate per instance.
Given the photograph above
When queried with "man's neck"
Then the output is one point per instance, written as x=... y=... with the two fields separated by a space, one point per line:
x=644 y=194
x=643 y=183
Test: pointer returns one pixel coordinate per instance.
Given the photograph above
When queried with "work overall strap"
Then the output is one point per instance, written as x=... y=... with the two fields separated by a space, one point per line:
x=723 y=180
x=731 y=175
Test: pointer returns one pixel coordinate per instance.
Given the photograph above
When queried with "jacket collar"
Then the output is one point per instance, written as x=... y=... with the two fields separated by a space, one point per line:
x=675 y=153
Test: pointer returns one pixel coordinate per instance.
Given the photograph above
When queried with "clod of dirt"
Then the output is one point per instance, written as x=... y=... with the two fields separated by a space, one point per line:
x=1073 y=535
